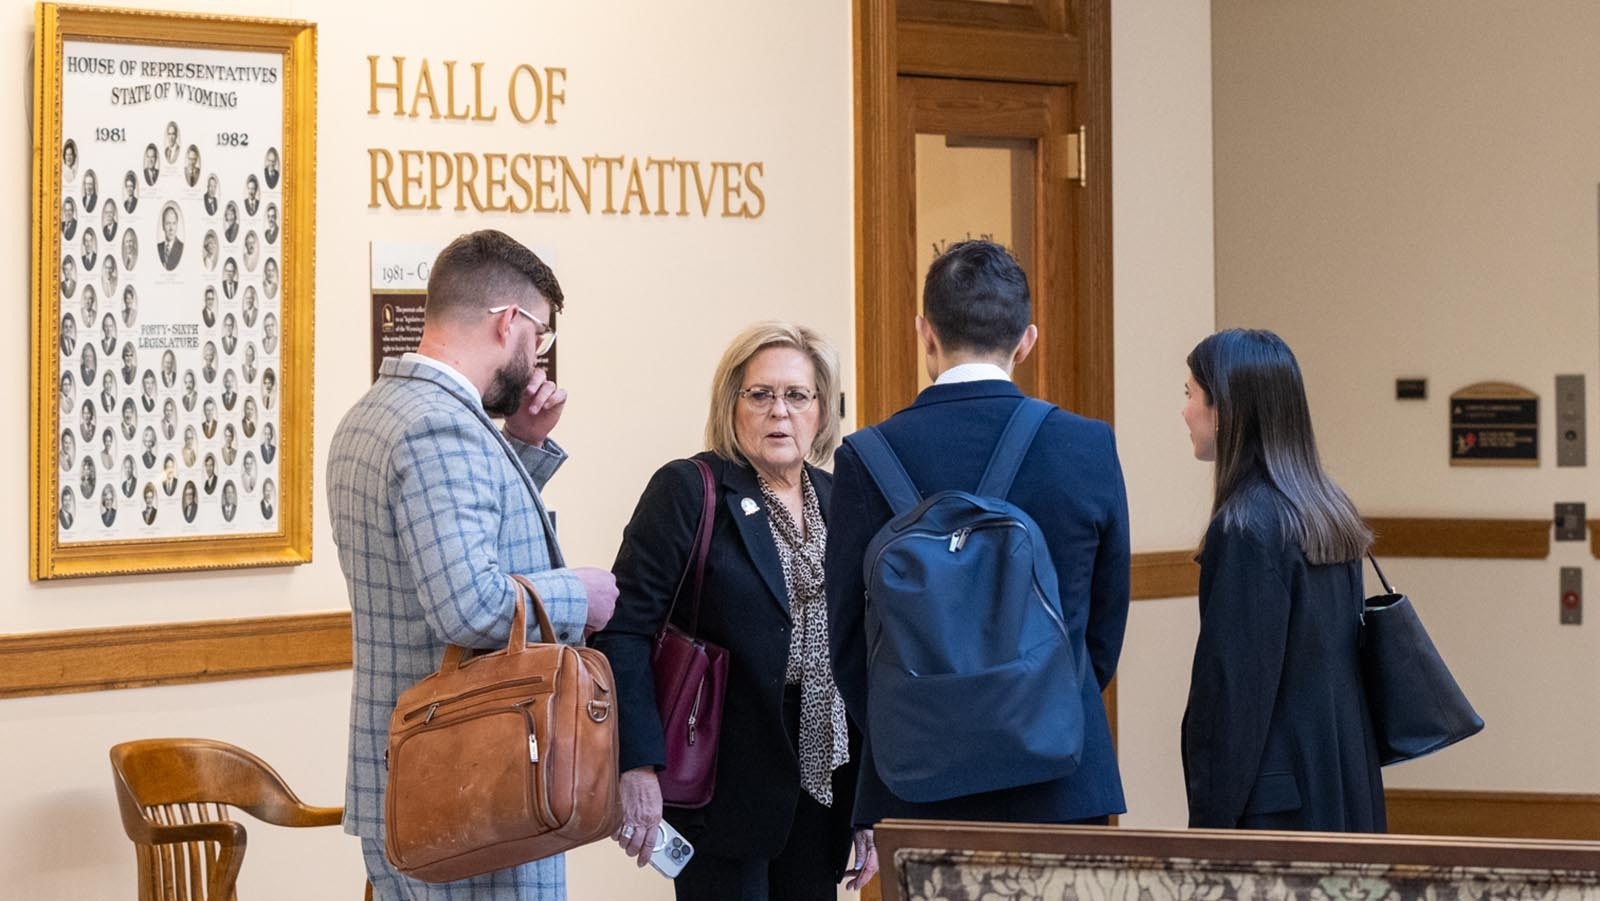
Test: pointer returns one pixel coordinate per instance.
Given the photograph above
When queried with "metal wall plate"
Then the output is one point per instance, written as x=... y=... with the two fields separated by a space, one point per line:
x=1571 y=596
x=1570 y=524
x=1571 y=437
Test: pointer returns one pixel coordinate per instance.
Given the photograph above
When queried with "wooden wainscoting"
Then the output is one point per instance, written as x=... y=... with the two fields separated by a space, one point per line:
x=1493 y=814
x=172 y=653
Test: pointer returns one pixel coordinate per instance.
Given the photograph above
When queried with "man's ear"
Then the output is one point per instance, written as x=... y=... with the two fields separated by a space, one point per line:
x=1030 y=337
x=926 y=336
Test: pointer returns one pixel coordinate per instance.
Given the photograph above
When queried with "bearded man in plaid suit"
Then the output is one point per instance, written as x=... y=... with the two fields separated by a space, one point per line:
x=434 y=509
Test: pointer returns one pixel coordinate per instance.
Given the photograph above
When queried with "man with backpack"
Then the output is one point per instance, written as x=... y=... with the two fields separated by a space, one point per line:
x=977 y=577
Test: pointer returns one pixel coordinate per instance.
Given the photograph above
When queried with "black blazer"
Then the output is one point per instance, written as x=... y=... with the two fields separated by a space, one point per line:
x=1070 y=482
x=745 y=609
x=1277 y=734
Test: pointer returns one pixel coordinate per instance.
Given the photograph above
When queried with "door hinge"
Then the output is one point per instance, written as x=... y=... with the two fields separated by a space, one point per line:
x=1076 y=153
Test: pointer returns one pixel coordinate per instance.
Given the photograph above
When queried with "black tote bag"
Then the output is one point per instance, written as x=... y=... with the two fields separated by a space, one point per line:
x=1417 y=707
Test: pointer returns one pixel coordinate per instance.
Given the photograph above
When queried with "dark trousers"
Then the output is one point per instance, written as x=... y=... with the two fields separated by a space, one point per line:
x=805 y=870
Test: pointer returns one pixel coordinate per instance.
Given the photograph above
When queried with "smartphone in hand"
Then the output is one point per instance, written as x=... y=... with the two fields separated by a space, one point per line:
x=672 y=851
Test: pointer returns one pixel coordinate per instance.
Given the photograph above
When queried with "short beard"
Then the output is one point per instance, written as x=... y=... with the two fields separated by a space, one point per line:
x=504 y=396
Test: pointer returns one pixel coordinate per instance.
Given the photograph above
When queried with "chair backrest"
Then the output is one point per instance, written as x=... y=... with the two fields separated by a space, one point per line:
x=175 y=795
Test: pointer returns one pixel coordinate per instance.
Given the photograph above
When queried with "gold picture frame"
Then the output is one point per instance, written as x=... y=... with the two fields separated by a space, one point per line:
x=196 y=125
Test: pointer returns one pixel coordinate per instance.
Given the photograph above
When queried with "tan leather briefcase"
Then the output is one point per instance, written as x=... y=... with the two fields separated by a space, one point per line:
x=502 y=758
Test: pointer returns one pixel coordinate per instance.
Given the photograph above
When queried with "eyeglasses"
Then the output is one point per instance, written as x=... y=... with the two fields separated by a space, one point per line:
x=547 y=335
x=798 y=400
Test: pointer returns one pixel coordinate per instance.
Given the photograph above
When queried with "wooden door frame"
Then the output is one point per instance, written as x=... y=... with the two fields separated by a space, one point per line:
x=885 y=226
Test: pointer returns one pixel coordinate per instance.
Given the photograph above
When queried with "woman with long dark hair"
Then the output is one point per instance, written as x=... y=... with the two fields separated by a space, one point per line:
x=1277 y=734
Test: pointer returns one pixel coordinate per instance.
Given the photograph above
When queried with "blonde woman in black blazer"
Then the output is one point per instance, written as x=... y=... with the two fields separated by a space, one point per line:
x=778 y=824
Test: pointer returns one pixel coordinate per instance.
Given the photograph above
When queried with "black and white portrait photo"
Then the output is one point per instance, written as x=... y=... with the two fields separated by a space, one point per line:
x=130 y=306
x=91 y=191
x=69 y=161
x=130 y=363
x=108 y=333
x=171 y=247
x=130 y=191
x=130 y=419
x=69 y=219
x=130 y=250
x=91 y=249
x=88 y=363
x=69 y=276
x=169 y=150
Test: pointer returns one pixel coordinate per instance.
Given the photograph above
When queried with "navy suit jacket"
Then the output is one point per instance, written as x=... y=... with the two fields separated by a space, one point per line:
x=1277 y=734
x=1070 y=482
x=744 y=608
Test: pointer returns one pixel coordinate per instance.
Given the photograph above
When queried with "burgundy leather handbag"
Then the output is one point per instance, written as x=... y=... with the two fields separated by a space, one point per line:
x=691 y=677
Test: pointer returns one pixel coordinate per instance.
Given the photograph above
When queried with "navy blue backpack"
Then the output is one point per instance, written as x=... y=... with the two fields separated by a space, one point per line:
x=973 y=683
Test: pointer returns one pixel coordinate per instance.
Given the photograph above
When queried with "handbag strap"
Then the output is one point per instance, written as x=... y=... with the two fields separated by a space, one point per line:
x=699 y=550
x=1387 y=588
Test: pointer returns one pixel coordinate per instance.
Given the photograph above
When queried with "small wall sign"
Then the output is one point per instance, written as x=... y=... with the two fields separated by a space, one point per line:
x=1494 y=424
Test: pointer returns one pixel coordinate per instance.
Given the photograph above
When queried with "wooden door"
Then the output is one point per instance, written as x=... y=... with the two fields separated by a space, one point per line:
x=984 y=118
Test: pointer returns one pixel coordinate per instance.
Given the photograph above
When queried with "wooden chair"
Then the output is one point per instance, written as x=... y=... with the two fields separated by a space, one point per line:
x=175 y=795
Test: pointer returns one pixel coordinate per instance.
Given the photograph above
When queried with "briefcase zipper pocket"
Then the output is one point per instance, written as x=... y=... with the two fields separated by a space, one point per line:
x=454 y=699
x=477 y=728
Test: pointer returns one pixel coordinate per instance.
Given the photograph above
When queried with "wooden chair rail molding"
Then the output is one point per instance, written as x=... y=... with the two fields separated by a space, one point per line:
x=1493 y=814
x=1496 y=539
x=172 y=653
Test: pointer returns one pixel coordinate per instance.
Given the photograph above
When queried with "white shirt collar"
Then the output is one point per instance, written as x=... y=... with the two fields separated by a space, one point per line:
x=971 y=372
x=448 y=371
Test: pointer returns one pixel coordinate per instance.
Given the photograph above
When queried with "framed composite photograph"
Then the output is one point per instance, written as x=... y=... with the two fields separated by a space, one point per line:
x=173 y=236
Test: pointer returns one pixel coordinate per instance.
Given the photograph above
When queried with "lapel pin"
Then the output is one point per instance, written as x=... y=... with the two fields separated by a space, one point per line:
x=750 y=507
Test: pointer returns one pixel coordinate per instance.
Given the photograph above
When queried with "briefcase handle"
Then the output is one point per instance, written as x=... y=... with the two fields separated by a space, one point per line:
x=527 y=595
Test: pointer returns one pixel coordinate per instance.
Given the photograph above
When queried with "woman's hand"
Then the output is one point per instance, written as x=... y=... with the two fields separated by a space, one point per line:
x=641 y=813
x=866 y=860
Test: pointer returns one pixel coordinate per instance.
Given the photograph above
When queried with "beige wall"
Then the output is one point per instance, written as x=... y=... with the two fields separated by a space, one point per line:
x=1161 y=197
x=1409 y=189
x=651 y=304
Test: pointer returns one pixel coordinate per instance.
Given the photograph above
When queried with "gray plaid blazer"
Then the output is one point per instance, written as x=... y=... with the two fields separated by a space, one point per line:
x=432 y=509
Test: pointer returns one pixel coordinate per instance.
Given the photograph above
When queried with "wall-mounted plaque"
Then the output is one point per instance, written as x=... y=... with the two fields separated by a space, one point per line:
x=1494 y=424
x=399 y=294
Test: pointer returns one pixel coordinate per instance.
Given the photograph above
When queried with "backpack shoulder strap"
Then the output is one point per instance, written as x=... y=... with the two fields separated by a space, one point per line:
x=885 y=468
x=1012 y=447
